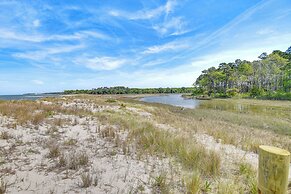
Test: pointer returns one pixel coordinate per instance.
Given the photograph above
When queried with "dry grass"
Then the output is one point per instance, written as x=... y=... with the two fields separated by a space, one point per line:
x=30 y=112
x=228 y=188
x=86 y=180
x=150 y=139
x=193 y=184
x=70 y=142
x=83 y=159
x=108 y=132
x=54 y=151
x=244 y=131
x=190 y=154
x=248 y=177
x=160 y=184
x=72 y=161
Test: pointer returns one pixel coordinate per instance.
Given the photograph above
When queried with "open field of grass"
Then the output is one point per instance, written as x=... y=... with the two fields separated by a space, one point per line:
x=114 y=144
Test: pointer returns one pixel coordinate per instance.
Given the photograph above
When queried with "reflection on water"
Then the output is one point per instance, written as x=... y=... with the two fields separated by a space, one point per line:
x=172 y=99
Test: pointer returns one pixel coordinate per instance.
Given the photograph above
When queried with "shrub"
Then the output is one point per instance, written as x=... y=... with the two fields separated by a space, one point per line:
x=232 y=92
x=110 y=100
x=255 y=92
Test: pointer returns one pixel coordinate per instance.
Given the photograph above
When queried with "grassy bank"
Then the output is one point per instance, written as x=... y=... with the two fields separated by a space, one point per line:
x=267 y=123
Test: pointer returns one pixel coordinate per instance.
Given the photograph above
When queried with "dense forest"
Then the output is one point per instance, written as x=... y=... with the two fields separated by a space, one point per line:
x=126 y=90
x=269 y=78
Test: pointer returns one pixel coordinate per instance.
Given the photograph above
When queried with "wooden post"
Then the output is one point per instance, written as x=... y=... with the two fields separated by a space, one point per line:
x=273 y=170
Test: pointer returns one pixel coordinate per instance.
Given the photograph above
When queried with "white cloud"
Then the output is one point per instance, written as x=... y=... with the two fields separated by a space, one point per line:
x=249 y=53
x=6 y=34
x=38 y=38
x=43 y=54
x=37 y=82
x=169 y=77
x=173 y=26
x=170 y=5
x=145 y=14
x=139 y=15
x=166 y=47
x=101 y=63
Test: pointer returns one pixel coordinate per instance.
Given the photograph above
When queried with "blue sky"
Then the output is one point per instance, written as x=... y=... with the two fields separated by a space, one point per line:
x=51 y=45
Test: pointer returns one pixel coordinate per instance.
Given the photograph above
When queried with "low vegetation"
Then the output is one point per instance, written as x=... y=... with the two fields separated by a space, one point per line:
x=190 y=154
x=181 y=150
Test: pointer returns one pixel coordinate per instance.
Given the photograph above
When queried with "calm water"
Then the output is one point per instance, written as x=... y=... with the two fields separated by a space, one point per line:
x=172 y=99
x=26 y=97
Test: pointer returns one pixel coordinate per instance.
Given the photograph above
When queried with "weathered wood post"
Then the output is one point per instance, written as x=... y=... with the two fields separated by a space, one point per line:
x=273 y=170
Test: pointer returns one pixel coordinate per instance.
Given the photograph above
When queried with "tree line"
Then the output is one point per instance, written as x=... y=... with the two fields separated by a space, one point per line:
x=269 y=77
x=127 y=90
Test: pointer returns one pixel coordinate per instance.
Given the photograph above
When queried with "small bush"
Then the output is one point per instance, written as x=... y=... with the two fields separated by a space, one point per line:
x=37 y=118
x=255 y=92
x=110 y=100
x=108 y=132
x=122 y=106
x=232 y=92
x=83 y=159
x=74 y=161
x=70 y=142
x=4 y=135
x=54 y=151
